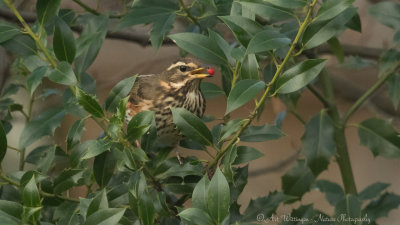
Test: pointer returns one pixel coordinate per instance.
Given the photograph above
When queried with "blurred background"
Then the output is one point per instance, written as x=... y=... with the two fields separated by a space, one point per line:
x=127 y=54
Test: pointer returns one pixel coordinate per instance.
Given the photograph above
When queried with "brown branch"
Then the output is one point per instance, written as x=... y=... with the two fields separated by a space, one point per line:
x=362 y=51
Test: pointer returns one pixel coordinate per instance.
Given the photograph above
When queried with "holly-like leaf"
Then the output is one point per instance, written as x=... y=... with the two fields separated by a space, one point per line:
x=118 y=92
x=267 y=40
x=35 y=78
x=66 y=180
x=319 y=142
x=242 y=92
x=372 y=191
x=388 y=13
x=3 y=142
x=246 y=154
x=8 y=31
x=261 y=133
x=297 y=181
x=336 y=48
x=45 y=124
x=196 y=216
x=200 y=46
x=99 y=201
x=299 y=75
x=31 y=197
x=64 y=42
x=382 y=206
x=333 y=191
x=89 y=103
x=332 y=8
x=192 y=126
x=211 y=90
x=63 y=74
x=103 y=168
x=146 y=209
x=75 y=133
x=319 y=32
x=218 y=199
x=243 y=28
x=46 y=10
x=349 y=207
x=268 y=11
x=380 y=137
x=21 y=44
x=291 y=4
x=200 y=194
x=393 y=84
x=96 y=147
x=109 y=216
x=11 y=210
x=139 y=124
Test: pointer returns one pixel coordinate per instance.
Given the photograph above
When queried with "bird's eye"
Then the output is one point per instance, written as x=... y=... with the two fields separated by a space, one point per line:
x=182 y=68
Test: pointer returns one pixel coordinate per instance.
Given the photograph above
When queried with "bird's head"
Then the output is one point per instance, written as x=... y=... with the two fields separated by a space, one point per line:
x=187 y=70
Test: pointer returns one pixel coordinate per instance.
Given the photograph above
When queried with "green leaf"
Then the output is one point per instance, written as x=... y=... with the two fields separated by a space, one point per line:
x=192 y=126
x=380 y=137
x=382 y=206
x=266 y=205
x=30 y=194
x=249 y=67
x=388 y=60
x=356 y=62
x=46 y=10
x=21 y=44
x=355 y=23
x=297 y=181
x=200 y=46
x=229 y=128
x=99 y=202
x=63 y=74
x=319 y=32
x=66 y=180
x=103 y=168
x=161 y=27
x=319 y=142
x=336 y=48
x=393 y=84
x=387 y=13
x=45 y=124
x=333 y=191
x=12 y=210
x=137 y=184
x=35 y=78
x=261 y=133
x=8 y=31
x=196 y=216
x=372 y=191
x=139 y=124
x=267 y=40
x=218 y=199
x=330 y=9
x=200 y=194
x=96 y=147
x=64 y=42
x=299 y=75
x=291 y=4
x=246 y=154
x=348 y=207
x=243 y=28
x=146 y=210
x=75 y=133
x=118 y=92
x=3 y=142
x=109 y=216
x=211 y=90
x=268 y=11
x=89 y=103
x=242 y=92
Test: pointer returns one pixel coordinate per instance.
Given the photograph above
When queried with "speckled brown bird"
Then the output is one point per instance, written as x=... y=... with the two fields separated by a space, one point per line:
x=177 y=86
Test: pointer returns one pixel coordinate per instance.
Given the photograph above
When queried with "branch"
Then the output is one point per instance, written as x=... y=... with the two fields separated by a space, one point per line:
x=266 y=93
x=365 y=52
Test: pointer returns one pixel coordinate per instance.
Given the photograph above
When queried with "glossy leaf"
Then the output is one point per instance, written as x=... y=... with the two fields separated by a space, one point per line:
x=43 y=125
x=318 y=142
x=64 y=42
x=336 y=48
x=30 y=195
x=35 y=78
x=75 y=133
x=387 y=12
x=332 y=8
x=229 y=128
x=299 y=75
x=63 y=74
x=243 y=28
x=382 y=206
x=99 y=202
x=146 y=210
x=8 y=31
x=46 y=10
x=196 y=216
x=249 y=67
x=12 y=210
x=246 y=154
x=3 y=142
x=211 y=90
x=139 y=124
x=243 y=92
x=319 y=32
x=218 y=199
x=268 y=11
x=89 y=103
x=333 y=191
x=192 y=126
x=200 y=194
x=261 y=133
x=21 y=44
x=66 y=180
x=96 y=147
x=349 y=207
x=297 y=181
x=393 y=84
x=109 y=216
x=372 y=191
x=161 y=27
x=291 y=4
x=103 y=168
x=380 y=137
x=118 y=92
x=200 y=46
x=267 y=40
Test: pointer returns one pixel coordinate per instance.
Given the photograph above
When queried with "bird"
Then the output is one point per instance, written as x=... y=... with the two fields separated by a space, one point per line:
x=177 y=86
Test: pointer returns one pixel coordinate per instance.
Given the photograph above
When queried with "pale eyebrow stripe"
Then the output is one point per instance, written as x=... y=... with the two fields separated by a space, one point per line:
x=175 y=65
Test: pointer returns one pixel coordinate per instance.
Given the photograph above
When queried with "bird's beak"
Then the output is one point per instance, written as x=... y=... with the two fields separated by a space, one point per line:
x=199 y=73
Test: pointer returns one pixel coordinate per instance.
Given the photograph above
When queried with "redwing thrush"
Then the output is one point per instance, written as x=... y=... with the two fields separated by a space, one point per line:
x=178 y=86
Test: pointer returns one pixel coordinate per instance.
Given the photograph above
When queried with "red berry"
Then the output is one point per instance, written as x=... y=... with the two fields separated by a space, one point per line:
x=211 y=71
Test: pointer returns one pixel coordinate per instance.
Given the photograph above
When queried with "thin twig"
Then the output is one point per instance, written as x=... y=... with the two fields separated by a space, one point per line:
x=189 y=14
x=94 y=11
